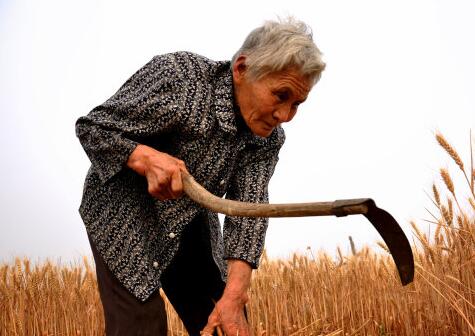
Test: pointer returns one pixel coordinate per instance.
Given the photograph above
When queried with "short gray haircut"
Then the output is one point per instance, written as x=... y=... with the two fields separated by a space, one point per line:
x=280 y=45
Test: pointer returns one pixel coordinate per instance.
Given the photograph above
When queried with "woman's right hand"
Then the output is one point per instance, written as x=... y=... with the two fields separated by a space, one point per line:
x=163 y=171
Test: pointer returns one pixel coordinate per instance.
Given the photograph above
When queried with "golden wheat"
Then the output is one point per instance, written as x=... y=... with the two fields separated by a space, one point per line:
x=435 y=191
x=447 y=180
x=450 y=150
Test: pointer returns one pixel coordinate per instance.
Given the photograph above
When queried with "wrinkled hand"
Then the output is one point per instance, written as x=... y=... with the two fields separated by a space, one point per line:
x=162 y=171
x=228 y=314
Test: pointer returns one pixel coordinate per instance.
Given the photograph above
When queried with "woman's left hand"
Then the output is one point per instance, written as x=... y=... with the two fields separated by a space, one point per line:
x=228 y=313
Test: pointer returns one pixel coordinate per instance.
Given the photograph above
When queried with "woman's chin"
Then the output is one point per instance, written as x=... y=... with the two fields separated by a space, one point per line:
x=262 y=131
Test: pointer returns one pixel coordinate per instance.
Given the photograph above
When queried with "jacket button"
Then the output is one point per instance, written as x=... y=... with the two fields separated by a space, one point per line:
x=155 y=264
x=171 y=235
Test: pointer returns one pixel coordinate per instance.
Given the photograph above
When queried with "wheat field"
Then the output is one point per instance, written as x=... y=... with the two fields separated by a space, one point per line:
x=355 y=294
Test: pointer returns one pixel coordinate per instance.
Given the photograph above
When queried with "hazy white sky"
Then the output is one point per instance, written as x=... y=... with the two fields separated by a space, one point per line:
x=397 y=71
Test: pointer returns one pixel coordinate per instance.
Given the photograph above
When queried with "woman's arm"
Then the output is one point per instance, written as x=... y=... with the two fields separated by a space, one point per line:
x=243 y=236
x=146 y=105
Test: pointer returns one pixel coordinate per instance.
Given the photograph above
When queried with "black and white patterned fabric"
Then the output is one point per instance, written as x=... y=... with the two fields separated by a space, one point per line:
x=182 y=104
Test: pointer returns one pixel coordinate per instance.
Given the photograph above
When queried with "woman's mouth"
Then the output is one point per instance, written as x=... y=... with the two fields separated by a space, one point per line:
x=268 y=126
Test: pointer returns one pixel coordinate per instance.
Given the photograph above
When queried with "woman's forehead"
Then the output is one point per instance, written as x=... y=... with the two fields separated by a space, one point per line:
x=290 y=79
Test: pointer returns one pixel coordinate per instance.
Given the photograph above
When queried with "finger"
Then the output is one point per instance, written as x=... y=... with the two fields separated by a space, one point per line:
x=176 y=184
x=238 y=326
x=166 y=187
x=152 y=186
x=207 y=331
x=182 y=166
x=213 y=323
x=158 y=186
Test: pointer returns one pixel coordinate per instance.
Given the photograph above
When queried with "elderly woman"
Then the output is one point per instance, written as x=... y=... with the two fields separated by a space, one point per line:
x=221 y=122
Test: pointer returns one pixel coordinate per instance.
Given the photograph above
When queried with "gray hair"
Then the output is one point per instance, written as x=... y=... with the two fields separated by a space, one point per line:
x=279 y=45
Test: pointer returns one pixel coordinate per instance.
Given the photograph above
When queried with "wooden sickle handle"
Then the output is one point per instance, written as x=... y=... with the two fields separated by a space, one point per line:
x=244 y=209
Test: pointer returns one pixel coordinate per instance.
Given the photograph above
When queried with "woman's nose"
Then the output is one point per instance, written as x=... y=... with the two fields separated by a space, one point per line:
x=283 y=114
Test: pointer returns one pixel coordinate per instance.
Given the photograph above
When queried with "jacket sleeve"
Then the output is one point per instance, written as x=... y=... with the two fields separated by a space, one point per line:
x=244 y=236
x=147 y=104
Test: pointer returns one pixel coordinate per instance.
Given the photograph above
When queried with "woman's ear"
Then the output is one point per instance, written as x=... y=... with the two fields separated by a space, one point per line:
x=239 y=68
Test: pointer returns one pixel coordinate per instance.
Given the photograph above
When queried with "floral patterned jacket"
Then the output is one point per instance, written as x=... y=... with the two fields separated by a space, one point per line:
x=182 y=104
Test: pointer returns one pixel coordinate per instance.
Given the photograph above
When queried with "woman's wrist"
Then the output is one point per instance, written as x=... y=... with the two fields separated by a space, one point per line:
x=239 y=280
x=137 y=159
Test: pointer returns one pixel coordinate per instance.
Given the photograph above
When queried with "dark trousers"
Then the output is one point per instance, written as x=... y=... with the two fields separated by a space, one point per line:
x=192 y=283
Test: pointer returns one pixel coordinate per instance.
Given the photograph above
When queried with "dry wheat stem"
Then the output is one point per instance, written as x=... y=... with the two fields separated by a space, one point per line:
x=304 y=328
x=470 y=260
x=435 y=221
x=361 y=327
x=423 y=239
x=452 y=304
x=448 y=286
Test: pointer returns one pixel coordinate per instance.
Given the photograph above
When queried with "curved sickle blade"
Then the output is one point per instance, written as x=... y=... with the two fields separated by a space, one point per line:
x=395 y=239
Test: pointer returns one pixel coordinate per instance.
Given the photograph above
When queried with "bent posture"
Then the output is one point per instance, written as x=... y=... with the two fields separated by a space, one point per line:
x=219 y=121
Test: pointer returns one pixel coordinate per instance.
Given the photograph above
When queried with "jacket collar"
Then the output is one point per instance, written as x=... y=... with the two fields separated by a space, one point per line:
x=224 y=105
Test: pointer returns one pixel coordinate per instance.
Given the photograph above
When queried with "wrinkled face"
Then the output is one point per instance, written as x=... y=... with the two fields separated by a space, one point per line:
x=271 y=100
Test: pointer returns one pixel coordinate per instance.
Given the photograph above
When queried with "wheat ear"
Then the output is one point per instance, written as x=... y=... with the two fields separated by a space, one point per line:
x=454 y=155
x=450 y=150
x=444 y=173
x=436 y=195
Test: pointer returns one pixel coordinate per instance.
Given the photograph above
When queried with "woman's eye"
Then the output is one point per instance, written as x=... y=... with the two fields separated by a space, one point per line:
x=282 y=96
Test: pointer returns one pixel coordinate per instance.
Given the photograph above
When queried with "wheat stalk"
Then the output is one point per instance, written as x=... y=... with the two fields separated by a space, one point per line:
x=422 y=238
x=452 y=303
